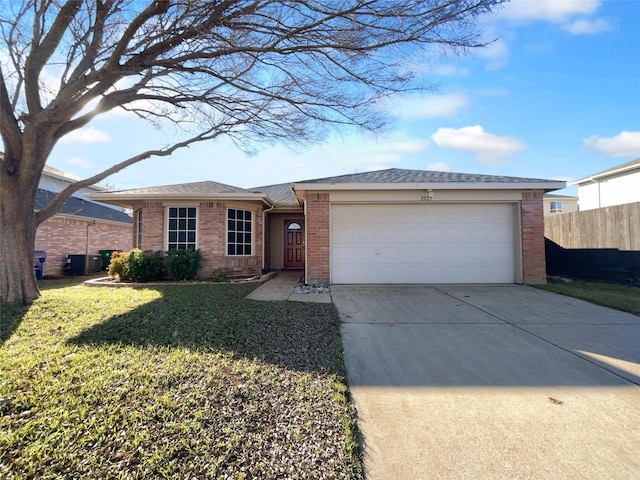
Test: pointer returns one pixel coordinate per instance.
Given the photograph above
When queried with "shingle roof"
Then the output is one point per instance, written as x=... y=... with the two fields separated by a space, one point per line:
x=280 y=194
x=82 y=208
x=398 y=175
x=204 y=188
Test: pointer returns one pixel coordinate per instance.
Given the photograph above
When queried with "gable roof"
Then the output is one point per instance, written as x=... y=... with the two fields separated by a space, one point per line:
x=195 y=188
x=207 y=190
x=610 y=172
x=398 y=175
x=284 y=194
x=82 y=208
x=394 y=178
x=281 y=194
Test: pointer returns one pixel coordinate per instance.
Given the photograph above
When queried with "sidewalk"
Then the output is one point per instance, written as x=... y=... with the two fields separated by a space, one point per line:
x=283 y=287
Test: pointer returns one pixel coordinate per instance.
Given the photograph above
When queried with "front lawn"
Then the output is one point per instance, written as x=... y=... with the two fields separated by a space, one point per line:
x=174 y=381
x=620 y=297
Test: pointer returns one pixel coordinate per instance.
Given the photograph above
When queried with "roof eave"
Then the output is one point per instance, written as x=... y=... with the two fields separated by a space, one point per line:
x=129 y=199
x=609 y=173
x=545 y=185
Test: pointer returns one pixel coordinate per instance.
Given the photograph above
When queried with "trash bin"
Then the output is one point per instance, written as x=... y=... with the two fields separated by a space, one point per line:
x=106 y=257
x=39 y=257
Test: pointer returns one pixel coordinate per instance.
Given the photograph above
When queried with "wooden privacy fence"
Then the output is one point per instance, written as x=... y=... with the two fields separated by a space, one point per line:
x=608 y=227
x=600 y=244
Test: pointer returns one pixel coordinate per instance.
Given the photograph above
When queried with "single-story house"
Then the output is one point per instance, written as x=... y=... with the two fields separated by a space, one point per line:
x=389 y=226
x=615 y=186
x=81 y=227
x=554 y=204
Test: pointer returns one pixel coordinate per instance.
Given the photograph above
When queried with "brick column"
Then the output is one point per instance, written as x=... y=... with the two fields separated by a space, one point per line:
x=318 y=238
x=152 y=226
x=533 y=256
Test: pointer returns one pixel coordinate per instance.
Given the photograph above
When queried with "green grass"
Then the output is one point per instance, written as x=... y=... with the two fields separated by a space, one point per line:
x=174 y=381
x=620 y=297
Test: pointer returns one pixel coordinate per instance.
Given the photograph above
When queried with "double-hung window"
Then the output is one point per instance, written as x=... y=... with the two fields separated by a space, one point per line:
x=182 y=228
x=139 y=229
x=239 y=232
x=556 y=207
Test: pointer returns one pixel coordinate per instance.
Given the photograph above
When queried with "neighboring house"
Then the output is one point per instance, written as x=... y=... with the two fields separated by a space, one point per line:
x=614 y=186
x=389 y=226
x=82 y=226
x=554 y=204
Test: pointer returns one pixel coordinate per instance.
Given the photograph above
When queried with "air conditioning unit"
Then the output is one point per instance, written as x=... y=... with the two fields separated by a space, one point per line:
x=82 y=264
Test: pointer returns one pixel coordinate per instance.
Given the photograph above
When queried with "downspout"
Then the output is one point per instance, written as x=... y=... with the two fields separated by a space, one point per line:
x=86 y=250
x=264 y=234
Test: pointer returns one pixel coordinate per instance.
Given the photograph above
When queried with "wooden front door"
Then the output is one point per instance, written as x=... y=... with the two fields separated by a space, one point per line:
x=293 y=244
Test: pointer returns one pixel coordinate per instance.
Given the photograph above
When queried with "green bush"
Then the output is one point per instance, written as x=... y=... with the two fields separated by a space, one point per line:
x=137 y=266
x=183 y=264
x=144 y=266
x=222 y=274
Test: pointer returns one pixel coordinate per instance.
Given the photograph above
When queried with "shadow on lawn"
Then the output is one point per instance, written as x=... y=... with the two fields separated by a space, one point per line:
x=301 y=336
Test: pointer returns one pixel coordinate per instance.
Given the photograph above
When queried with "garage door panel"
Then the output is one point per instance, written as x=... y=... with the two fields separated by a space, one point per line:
x=417 y=243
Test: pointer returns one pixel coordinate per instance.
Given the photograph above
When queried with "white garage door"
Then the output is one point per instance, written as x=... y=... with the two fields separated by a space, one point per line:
x=409 y=243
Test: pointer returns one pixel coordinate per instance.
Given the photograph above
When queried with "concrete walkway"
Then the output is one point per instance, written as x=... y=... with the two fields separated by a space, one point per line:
x=283 y=287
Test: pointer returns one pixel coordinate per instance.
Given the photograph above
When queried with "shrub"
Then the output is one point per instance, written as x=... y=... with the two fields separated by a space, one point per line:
x=144 y=266
x=183 y=264
x=118 y=265
x=137 y=266
x=222 y=274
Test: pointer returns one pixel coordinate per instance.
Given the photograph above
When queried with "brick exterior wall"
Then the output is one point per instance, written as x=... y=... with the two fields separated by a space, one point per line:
x=152 y=226
x=534 y=268
x=62 y=235
x=212 y=232
x=318 y=238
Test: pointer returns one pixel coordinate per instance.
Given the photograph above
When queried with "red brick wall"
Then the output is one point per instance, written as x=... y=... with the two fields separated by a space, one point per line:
x=318 y=238
x=61 y=235
x=533 y=259
x=152 y=226
x=212 y=230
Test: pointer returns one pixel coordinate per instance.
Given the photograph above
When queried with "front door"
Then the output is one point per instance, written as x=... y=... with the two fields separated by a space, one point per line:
x=293 y=244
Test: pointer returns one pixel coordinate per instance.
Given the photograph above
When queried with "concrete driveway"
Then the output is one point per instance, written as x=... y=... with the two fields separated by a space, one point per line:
x=498 y=382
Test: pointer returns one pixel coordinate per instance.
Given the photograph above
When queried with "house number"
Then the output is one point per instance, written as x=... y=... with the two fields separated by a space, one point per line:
x=425 y=198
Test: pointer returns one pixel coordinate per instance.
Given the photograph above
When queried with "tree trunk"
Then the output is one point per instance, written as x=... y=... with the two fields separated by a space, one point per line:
x=18 y=226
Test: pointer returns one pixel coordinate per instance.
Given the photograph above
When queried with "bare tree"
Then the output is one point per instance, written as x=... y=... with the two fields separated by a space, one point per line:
x=251 y=69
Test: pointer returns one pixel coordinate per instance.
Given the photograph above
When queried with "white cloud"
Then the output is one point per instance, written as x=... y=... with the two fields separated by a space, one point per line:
x=439 y=167
x=367 y=154
x=626 y=144
x=497 y=54
x=587 y=27
x=494 y=92
x=491 y=149
x=78 y=162
x=86 y=136
x=448 y=70
x=548 y=10
x=419 y=106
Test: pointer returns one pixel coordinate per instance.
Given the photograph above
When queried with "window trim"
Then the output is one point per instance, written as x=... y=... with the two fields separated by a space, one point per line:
x=139 y=218
x=226 y=229
x=166 y=225
x=555 y=206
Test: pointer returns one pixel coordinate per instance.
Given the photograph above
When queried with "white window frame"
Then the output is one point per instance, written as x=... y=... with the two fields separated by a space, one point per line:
x=167 y=230
x=235 y=231
x=555 y=206
x=139 y=229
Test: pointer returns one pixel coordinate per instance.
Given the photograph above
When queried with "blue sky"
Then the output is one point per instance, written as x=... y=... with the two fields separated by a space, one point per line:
x=556 y=96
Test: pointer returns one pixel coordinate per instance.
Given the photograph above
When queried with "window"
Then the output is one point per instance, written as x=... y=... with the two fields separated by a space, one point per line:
x=182 y=228
x=239 y=231
x=139 y=229
x=556 y=207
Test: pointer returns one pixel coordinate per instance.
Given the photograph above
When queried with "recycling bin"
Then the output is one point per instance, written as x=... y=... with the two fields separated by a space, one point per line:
x=39 y=257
